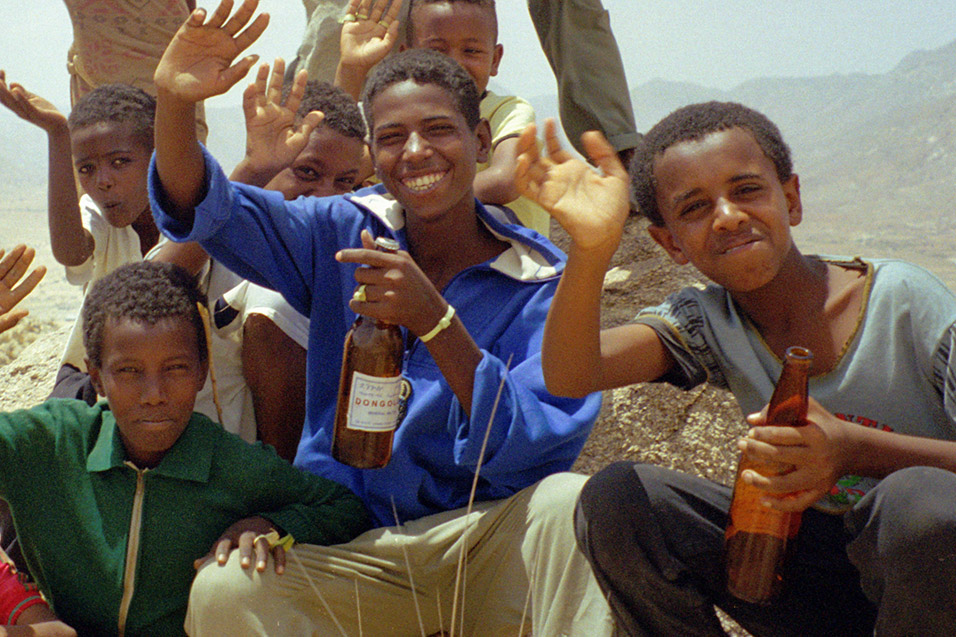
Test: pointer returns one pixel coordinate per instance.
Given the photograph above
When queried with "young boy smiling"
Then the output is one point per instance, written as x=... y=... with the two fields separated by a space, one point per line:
x=467 y=32
x=470 y=293
x=141 y=485
x=874 y=464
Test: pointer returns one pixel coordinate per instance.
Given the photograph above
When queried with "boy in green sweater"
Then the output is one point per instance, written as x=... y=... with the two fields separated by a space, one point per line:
x=114 y=503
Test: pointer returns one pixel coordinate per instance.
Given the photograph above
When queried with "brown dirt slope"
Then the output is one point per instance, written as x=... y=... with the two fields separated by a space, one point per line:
x=693 y=431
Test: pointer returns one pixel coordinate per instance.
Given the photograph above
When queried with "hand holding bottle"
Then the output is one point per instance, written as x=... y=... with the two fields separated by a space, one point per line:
x=395 y=288
x=816 y=452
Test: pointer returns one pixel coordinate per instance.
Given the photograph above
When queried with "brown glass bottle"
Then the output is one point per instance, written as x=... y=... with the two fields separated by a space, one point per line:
x=368 y=407
x=757 y=537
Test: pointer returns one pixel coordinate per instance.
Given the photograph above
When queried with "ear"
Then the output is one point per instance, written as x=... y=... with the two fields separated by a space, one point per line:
x=496 y=59
x=95 y=377
x=483 y=136
x=663 y=237
x=791 y=190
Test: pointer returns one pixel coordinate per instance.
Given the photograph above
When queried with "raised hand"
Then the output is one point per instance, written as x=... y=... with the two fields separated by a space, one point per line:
x=815 y=451
x=273 y=138
x=591 y=205
x=198 y=63
x=30 y=107
x=369 y=32
x=12 y=269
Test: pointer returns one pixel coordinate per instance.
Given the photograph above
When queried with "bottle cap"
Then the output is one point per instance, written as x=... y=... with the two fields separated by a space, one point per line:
x=387 y=245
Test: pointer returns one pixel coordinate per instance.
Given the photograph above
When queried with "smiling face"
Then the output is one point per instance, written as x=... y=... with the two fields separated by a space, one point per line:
x=466 y=32
x=423 y=149
x=112 y=163
x=328 y=165
x=150 y=375
x=725 y=210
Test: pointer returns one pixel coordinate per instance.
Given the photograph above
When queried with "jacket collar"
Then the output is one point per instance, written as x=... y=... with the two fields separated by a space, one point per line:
x=189 y=459
x=530 y=258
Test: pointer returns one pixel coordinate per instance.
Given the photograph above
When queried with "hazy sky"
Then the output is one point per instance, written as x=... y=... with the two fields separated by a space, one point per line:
x=718 y=43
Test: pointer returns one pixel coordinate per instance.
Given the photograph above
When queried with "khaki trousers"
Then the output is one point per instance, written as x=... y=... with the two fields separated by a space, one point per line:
x=520 y=554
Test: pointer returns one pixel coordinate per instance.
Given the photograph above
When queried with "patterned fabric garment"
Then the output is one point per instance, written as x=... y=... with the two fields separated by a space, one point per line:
x=121 y=40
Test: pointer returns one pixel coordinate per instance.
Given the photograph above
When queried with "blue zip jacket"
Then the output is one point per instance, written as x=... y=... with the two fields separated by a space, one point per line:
x=290 y=247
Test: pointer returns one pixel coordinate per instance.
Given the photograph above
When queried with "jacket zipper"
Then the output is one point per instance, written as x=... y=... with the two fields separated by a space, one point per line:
x=132 y=548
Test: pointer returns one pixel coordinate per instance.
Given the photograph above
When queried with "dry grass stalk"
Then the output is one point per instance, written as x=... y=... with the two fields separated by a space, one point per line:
x=527 y=598
x=411 y=578
x=358 y=608
x=315 y=589
x=471 y=501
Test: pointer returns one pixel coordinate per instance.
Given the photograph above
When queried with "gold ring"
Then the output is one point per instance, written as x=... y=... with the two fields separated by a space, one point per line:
x=361 y=16
x=359 y=294
x=383 y=23
x=349 y=17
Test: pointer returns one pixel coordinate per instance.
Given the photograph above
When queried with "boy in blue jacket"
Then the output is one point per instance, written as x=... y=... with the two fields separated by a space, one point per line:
x=470 y=292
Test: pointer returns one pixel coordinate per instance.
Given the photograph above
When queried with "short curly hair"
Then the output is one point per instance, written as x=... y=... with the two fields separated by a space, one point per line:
x=342 y=113
x=119 y=103
x=144 y=292
x=692 y=123
x=424 y=66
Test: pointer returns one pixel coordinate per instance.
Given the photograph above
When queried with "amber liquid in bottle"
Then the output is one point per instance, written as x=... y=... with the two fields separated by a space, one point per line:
x=757 y=539
x=369 y=389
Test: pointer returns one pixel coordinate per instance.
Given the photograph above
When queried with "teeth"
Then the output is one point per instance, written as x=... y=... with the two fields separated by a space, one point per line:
x=422 y=183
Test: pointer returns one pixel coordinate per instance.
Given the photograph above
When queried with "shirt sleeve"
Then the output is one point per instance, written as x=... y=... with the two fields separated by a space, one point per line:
x=530 y=432
x=681 y=324
x=313 y=509
x=508 y=118
x=255 y=233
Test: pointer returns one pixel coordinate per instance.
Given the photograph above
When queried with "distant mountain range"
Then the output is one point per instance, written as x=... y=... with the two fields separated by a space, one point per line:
x=876 y=154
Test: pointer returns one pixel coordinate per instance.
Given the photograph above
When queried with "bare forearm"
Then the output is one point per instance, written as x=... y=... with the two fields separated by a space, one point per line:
x=70 y=242
x=179 y=160
x=457 y=357
x=876 y=453
x=350 y=79
x=495 y=185
x=189 y=255
x=571 y=350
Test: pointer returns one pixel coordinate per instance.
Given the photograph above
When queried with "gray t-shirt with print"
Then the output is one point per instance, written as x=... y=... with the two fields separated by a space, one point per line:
x=897 y=372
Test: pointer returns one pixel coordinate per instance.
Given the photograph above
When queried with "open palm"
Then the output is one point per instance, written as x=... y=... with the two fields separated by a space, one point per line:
x=198 y=63
x=366 y=40
x=273 y=138
x=29 y=106
x=590 y=205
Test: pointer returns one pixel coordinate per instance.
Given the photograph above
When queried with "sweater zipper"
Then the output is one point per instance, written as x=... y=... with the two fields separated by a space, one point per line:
x=132 y=548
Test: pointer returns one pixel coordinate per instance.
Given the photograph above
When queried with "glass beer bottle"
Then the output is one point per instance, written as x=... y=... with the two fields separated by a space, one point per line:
x=369 y=389
x=757 y=537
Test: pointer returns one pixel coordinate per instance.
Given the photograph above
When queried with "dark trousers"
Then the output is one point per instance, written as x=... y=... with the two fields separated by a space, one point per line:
x=654 y=538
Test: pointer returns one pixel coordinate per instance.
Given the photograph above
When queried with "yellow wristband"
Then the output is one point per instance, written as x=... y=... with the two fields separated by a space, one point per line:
x=442 y=324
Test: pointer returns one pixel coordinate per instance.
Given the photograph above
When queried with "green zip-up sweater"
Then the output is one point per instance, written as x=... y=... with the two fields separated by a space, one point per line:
x=112 y=546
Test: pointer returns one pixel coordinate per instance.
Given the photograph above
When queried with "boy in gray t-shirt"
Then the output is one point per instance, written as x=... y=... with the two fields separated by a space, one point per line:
x=717 y=184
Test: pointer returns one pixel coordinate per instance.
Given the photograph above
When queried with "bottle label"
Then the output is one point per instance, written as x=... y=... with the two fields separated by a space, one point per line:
x=374 y=402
